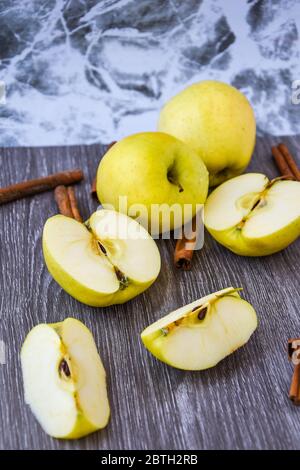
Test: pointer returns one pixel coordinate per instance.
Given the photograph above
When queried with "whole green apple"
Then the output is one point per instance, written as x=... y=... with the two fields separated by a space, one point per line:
x=218 y=122
x=161 y=180
x=253 y=216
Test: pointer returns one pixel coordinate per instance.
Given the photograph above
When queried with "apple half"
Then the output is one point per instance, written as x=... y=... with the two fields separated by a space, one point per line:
x=106 y=261
x=253 y=216
x=64 y=379
x=199 y=335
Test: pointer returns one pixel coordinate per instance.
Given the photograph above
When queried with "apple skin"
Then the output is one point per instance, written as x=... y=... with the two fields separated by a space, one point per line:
x=137 y=167
x=265 y=246
x=81 y=292
x=82 y=428
x=217 y=121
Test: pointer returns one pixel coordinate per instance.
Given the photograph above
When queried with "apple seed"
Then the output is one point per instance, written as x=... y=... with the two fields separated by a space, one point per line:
x=102 y=248
x=202 y=313
x=64 y=368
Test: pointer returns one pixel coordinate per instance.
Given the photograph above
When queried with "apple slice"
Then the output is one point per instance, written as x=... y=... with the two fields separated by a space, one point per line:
x=253 y=216
x=64 y=379
x=199 y=335
x=106 y=261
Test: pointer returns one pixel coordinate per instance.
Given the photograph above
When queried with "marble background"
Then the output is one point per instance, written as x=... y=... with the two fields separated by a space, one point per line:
x=82 y=71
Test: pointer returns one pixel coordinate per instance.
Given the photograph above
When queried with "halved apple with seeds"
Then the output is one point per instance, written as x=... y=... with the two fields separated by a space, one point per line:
x=64 y=379
x=253 y=216
x=199 y=335
x=106 y=261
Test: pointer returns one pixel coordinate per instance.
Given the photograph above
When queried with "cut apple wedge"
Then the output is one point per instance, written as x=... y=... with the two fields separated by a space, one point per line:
x=199 y=335
x=64 y=379
x=106 y=261
x=253 y=216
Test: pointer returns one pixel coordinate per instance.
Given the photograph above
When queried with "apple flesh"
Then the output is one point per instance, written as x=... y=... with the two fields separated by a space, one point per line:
x=64 y=379
x=199 y=335
x=217 y=121
x=253 y=216
x=108 y=260
x=150 y=169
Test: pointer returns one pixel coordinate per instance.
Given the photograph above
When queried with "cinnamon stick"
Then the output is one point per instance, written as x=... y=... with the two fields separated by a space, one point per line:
x=94 y=187
x=281 y=163
x=290 y=160
x=39 y=185
x=63 y=202
x=293 y=353
x=73 y=204
x=66 y=201
x=184 y=249
x=94 y=182
x=294 y=393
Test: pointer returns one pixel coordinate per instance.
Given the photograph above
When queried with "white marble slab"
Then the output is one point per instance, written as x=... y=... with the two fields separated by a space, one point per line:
x=83 y=71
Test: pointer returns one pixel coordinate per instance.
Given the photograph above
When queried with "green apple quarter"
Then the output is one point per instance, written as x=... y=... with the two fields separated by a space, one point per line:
x=64 y=379
x=109 y=260
x=217 y=121
x=201 y=334
x=253 y=216
x=152 y=169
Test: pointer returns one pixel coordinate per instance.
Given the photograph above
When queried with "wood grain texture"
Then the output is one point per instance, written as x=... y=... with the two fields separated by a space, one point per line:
x=240 y=404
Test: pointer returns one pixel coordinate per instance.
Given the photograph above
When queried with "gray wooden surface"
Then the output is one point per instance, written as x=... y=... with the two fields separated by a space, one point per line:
x=241 y=404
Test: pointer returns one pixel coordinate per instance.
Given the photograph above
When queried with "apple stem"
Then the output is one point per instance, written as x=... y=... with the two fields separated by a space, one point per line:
x=87 y=224
x=123 y=280
x=176 y=183
x=279 y=178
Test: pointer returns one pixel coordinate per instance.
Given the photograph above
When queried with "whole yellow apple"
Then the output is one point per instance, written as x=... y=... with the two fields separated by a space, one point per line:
x=161 y=179
x=218 y=122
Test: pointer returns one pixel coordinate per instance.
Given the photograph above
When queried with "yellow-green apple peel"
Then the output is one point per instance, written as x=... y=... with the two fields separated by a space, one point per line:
x=217 y=121
x=155 y=173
